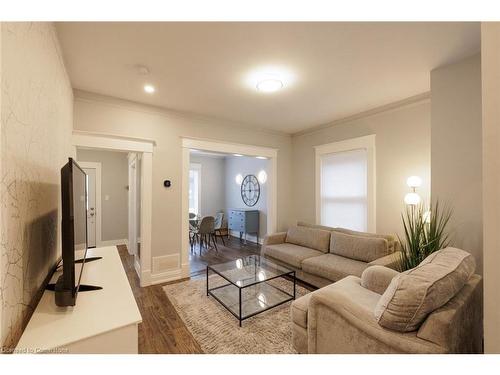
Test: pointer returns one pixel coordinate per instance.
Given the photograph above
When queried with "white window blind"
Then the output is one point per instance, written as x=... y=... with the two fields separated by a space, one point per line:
x=344 y=201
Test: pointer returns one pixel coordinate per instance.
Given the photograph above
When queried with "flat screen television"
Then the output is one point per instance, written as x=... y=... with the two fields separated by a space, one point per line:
x=74 y=232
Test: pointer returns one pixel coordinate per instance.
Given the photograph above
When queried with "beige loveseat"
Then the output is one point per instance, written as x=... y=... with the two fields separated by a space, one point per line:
x=433 y=308
x=322 y=255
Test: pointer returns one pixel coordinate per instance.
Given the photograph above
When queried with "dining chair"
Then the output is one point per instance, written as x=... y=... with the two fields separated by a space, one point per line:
x=206 y=232
x=193 y=229
x=219 y=220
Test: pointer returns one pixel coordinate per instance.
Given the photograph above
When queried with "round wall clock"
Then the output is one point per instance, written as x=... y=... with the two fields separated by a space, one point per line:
x=250 y=190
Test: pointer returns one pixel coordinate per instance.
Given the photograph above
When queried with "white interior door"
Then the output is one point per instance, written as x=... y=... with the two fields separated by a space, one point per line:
x=91 y=208
x=93 y=171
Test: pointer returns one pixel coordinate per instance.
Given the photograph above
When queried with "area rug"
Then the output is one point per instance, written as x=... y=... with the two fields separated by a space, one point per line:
x=217 y=331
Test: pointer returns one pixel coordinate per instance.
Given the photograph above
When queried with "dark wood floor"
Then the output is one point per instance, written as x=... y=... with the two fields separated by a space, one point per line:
x=162 y=330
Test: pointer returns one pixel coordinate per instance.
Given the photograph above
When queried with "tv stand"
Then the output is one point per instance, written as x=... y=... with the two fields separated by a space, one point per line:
x=102 y=322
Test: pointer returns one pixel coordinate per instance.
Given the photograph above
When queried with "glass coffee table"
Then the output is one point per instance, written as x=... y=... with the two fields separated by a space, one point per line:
x=249 y=288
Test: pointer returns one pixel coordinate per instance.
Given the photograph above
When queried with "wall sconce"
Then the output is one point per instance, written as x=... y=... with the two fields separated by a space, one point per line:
x=262 y=177
x=238 y=179
x=413 y=198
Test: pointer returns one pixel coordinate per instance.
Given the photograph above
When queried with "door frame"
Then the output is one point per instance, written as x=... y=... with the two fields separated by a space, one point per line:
x=98 y=198
x=132 y=158
x=145 y=147
x=229 y=148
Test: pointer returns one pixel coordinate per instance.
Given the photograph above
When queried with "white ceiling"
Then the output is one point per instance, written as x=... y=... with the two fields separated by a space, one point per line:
x=340 y=69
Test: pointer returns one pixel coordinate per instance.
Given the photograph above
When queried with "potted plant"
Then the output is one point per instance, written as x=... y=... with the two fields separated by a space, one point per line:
x=424 y=233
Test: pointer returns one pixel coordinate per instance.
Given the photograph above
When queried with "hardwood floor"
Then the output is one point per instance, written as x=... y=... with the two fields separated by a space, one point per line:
x=233 y=249
x=162 y=330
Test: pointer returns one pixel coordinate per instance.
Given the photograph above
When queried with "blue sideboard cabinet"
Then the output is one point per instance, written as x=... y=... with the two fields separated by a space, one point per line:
x=244 y=221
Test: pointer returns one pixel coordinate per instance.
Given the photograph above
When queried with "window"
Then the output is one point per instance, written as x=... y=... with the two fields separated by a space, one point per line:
x=345 y=184
x=194 y=188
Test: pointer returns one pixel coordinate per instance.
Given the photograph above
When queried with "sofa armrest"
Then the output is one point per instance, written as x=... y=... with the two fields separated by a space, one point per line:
x=274 y=239
x=389 y=261
x=340 y=319
x=377 y=278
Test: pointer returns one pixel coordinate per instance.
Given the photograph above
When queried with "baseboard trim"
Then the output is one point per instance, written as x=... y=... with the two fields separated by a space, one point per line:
x=250 y=237
x=167 y=276
x=137 y=266
x=123 y=241
x=145 y=279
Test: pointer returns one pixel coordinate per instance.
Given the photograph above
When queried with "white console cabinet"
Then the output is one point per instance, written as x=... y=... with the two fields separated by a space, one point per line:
x=102 y=321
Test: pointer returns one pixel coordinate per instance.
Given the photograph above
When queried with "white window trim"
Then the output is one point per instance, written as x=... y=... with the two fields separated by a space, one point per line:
x=197 y=167
x=367 y=143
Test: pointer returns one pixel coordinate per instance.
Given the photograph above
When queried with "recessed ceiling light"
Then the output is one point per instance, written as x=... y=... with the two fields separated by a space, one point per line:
x=261 y=157
x=149 y=89
x=238 y=155
x=143 y=70
x=269 y=85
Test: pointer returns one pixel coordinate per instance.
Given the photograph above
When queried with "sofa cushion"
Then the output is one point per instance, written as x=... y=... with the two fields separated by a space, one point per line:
x=414 y=294
x=333 y=267
x=290 y=253
x=299 y=310
x=387 y=237
x=365 y=249
x=317 y=239
x=392 y=240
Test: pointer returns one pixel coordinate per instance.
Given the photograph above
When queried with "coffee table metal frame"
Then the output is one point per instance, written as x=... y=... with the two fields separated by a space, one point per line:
x=239 y=316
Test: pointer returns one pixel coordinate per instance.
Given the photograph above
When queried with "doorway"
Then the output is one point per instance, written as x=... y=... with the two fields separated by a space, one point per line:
x=257 y=152
x=145 y=148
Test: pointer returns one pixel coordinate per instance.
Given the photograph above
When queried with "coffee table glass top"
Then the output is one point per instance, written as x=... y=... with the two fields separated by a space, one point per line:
x=249 y=270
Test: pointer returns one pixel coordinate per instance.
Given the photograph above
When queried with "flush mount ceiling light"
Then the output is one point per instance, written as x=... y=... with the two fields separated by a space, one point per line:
x=269 y=85
x=269 y=78
x=261 y=157
x=149 y=89
x=238 y=155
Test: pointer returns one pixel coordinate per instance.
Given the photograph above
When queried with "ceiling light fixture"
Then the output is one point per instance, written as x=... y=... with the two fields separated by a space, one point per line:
x=269 y=78
x=238 y=155
x=261 y=157
x=269 y=85
x=149 y=89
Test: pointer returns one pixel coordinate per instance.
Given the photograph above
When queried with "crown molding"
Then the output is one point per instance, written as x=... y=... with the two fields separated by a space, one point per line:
x=371 y=112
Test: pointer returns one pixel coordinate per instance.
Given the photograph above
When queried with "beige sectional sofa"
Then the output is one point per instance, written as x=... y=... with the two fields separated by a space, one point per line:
x=433 y=308
x=322 y=255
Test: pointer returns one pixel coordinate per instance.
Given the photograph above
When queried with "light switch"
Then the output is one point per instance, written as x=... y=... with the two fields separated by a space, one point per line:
x=106 y=197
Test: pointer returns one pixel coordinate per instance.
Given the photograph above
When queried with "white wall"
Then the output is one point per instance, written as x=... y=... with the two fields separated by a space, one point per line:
x=456 y=145
x=213 y=187
x=108 y=115
x=490 y=70
x=36 y=124
x=402 y=150
x=246 y=165
x=114 y=193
